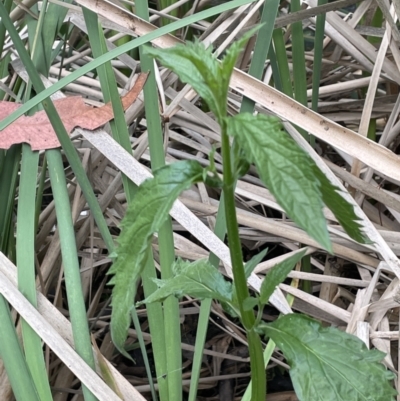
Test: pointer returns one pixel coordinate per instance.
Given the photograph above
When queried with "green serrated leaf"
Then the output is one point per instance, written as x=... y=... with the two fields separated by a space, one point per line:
x=286 y=170
x=342 y=209
x=199 y=279
x=249 y=303
x=276 y=276
x=144 y=217
x=329 y=364
x=253 y=262
x=198 y=67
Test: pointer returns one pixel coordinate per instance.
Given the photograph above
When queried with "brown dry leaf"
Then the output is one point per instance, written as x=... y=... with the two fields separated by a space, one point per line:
x=37 y=131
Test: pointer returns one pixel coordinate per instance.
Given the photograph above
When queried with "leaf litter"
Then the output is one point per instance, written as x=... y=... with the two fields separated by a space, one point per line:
x=37 y=131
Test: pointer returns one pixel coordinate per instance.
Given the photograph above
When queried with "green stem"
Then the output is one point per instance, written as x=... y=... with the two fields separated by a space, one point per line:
x=239 y=277
x=13 y=358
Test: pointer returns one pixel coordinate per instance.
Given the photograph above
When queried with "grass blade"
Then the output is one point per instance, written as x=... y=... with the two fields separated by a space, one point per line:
x=165 y=237
x=13 y=358
x=26 y=267
x=73 y=283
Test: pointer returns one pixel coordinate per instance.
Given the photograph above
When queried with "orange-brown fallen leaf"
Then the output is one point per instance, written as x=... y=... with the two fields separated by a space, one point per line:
x=37 y=131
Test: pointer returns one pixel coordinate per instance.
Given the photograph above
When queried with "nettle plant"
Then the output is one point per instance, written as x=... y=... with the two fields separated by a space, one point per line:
x=325 y=363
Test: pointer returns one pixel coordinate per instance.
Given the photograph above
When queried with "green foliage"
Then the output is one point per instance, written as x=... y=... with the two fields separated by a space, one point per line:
x=196 y=65
x=145 y=215
x=287 y=170
x=325 y=362
x=277 y=275
x=253 y=262
x=329 y=364
x=199 y=279
x=342 y=210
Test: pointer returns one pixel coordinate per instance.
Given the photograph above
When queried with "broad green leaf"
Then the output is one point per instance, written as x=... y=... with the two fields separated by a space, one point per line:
x=253 y=262
x=342 y=209
x=199 y=279
x=329 y=364
x=286 y=170
x=276 y=276
x=195 y=65
x=198 y=67
x=250 y=303
x=144 y=217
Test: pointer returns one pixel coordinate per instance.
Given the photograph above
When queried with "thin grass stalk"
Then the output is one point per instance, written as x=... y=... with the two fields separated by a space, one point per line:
x=40 y=190
x=76 y=302
x=59 y=128
x=26 y=228
x=7 y=5
x=163 y=5
x=316 y=80
x=26 y=267
x=172 y=328
x=37 y=52
x=13 y=358
x=121 y=135
x=43 y=94
x=142 y=345
x=275 y=69
x=2 y=157
x=55 y=15
x=205 y=309
x=261 y=47
x=8 y=183
x=306 y=285
x=109 y=90
x=299 y=62
x=155 y=317
x=283 y=63
x=318 y=54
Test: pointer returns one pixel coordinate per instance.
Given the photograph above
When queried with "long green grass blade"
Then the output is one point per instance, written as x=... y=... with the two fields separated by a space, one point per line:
x=76 y=302
x=26 y=267
x=136 y=323
x=155 y=317
x=8 y=182
x=165 y=236
x=205 y=309
x=13 y=358
x=299 y=61
x=7 y=5
x=318 y=49
x=26 y=219
x=164 y=4
x=317 y=66
x=261 y=47
x=282 y=61
x=121 y=135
